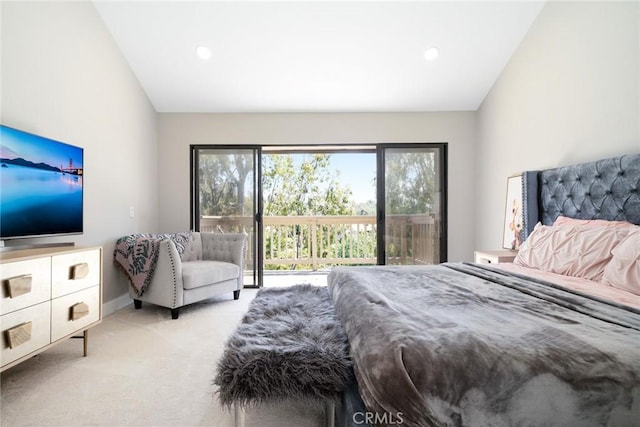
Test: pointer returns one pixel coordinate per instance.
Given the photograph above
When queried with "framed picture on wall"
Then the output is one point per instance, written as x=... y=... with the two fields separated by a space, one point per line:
x=513 y=222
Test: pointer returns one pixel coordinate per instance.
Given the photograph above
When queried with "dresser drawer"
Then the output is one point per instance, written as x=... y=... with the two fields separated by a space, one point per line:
x=74 y=271
x=74 y=312
x=25 y=331
x=24 y=283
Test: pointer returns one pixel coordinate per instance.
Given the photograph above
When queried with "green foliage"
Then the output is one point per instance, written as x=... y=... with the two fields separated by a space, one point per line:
x=410 y=185
x=309 y=188
x=366 y=208
x=224 y=182
x=358 y=245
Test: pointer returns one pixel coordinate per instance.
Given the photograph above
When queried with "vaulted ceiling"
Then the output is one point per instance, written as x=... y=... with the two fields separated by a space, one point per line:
x=317 y=56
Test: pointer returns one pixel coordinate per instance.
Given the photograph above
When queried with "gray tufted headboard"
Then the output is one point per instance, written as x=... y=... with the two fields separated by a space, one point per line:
x=605 y=189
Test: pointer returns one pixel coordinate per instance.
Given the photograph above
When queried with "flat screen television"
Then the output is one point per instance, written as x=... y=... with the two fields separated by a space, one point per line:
x=41 y=186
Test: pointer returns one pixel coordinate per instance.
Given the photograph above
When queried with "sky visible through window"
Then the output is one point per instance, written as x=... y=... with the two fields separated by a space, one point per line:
x=357 y=170
x=354 y=170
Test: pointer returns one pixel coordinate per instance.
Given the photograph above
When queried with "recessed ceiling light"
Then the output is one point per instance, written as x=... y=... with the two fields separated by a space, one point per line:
x=431 y=54
x=203 y=52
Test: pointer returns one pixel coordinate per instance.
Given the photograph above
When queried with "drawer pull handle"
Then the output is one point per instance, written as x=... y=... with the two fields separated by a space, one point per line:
x=79 y=271
x=19 y=334
x=19 y=285
x=78 y=311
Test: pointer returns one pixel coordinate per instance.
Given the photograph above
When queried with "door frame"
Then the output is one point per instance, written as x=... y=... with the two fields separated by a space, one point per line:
x=381 y=193
x=378 y=148
x=194 y=201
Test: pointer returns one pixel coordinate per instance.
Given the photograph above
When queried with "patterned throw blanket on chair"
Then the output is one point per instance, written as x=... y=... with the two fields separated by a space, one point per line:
x=137 y=256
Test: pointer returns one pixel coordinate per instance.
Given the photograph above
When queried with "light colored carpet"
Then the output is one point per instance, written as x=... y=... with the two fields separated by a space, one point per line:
x=143 y=369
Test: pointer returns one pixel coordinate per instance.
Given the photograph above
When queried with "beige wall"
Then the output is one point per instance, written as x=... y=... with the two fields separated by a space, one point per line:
x=178 y=131
x=64 y=78
x=569 y=94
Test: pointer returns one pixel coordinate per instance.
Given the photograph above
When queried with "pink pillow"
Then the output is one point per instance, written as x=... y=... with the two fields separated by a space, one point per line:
x=563 y=220
x=571 y=250
x=623 y=271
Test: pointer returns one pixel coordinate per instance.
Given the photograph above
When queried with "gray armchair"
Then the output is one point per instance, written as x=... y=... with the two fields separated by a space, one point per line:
x=213 y=263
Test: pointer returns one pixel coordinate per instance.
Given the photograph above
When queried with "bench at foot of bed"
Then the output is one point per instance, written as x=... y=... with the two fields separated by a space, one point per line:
x=289 y=345
x=329 y=414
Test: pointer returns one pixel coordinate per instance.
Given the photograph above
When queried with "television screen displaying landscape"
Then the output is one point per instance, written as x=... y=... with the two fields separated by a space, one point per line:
x=40 y=185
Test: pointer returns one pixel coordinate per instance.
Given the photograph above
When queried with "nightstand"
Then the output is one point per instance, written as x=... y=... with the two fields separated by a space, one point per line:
x=494 y=257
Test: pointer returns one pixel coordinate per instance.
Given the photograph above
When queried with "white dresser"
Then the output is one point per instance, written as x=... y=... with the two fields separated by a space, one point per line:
x=47 y=295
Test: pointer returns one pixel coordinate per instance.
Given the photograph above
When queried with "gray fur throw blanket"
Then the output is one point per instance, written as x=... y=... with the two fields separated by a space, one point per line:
x=289 y=344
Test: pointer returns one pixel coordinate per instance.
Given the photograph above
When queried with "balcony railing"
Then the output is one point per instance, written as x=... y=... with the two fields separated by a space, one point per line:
x=312 y=242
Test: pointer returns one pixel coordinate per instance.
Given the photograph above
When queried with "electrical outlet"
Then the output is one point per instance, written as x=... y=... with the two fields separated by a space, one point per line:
x=132 y=212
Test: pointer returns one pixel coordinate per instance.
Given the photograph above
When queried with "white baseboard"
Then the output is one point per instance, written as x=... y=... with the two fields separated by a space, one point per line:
x=116 y=304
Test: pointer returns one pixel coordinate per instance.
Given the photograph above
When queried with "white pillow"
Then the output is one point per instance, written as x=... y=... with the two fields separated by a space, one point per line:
x=623 y=271
x=572 y=250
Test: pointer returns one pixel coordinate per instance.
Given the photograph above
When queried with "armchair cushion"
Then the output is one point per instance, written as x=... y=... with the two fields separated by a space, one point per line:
x=193 y=249
x=223 y=247
x=201 y=273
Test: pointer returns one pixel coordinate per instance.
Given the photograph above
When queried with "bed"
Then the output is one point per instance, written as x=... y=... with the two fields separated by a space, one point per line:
x=550 y=340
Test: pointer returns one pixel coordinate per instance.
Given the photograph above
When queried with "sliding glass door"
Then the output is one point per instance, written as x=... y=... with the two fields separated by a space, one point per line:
x=320 y=208
x=412 y=203
x=225 y=197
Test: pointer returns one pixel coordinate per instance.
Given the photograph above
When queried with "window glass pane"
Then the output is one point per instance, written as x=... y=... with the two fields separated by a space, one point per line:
x=226 y=196
x=412 y=205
